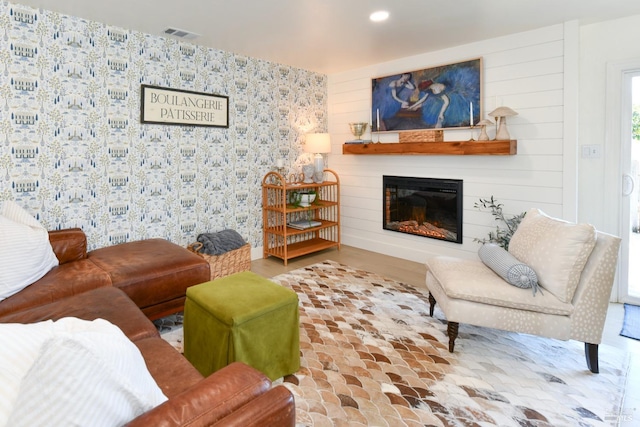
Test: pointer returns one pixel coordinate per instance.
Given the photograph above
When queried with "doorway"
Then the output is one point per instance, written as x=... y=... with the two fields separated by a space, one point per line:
x=621 y=175
x=630 y=165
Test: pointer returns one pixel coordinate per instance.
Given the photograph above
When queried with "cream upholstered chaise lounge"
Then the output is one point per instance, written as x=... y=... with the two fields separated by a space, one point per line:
x=575 y=267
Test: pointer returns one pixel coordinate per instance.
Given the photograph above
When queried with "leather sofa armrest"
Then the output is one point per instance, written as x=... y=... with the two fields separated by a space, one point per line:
x=69 y=244
x=274 y=408
x=208 y=401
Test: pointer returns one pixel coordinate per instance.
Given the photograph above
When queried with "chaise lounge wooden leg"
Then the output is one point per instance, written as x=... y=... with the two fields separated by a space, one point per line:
x=591 y=352
x=452 y=327
x=452 y=331
x=432 y=304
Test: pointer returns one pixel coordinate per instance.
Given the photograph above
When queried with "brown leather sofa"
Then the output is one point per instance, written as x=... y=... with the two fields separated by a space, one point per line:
x=110 y=283
x=154 y=273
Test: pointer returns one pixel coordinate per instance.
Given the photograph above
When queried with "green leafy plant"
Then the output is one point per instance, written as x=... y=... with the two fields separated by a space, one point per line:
x=508 y=225
x=295 y=197
x=295 y=201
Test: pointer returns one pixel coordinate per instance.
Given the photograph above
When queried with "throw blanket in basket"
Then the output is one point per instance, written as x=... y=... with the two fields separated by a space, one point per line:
x=220 y=242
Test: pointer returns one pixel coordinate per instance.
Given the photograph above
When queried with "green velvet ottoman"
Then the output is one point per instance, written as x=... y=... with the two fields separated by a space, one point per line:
x=242 y=317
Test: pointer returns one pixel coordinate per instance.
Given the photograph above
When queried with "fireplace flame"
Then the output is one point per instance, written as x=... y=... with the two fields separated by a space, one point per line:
x=424 y=229
x=419 y=214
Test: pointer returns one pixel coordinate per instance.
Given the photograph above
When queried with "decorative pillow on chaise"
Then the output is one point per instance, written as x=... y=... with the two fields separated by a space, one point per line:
x=25 y=251
x=84 y=373
x=508 y=267
x=557 y=250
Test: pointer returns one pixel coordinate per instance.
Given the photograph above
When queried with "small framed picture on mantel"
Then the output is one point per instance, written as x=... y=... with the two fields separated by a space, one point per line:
x=442 y=97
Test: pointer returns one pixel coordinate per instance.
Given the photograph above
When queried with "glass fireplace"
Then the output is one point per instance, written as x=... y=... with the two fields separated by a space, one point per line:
x=428 y=207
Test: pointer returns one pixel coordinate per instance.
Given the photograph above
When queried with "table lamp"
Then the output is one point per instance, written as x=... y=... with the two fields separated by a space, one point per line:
x=318 y=143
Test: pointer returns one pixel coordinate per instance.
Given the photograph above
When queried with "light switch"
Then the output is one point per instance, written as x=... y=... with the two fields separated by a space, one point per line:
x=591 y=151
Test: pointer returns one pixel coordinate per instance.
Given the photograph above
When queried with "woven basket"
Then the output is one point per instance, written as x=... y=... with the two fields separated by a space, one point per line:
x=228 y=263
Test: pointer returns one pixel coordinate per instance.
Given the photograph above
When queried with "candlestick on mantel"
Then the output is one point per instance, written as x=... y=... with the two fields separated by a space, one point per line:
x=471 y=114
x=377 y=125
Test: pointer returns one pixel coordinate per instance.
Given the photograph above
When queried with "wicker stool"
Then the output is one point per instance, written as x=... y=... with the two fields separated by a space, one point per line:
x=242 y=317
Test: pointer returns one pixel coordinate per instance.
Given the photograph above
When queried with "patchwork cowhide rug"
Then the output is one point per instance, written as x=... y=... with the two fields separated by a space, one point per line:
x=372 y=356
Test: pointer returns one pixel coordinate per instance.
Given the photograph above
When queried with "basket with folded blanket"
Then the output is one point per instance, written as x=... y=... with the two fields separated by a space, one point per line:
x=226 y=251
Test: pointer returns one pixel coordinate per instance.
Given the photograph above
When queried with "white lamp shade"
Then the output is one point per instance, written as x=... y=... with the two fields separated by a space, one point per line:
x=317 y=143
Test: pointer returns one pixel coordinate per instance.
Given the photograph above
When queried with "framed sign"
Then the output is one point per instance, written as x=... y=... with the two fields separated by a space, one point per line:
x=447 y=96
x=182 y=107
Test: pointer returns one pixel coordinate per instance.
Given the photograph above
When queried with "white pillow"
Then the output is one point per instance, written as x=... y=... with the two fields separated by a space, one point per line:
x=25 y=250
x=557 y=250
x=86 y=373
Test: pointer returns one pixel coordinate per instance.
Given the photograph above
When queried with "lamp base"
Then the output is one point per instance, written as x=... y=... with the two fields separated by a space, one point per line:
x=318 y=166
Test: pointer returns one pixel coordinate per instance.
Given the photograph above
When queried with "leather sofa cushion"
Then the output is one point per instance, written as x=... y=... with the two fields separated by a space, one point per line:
x=69 y=244
x=62 y=281
x=151 y=271
x=233 y=389
x=165 y=364
x=107 y=303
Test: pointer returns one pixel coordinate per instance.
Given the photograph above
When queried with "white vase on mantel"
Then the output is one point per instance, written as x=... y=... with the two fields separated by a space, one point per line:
x=483 y=129
x=503 y=132
x=501 y=114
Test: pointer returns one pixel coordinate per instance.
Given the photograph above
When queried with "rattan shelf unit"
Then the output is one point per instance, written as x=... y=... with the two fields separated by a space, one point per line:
x=278 y=211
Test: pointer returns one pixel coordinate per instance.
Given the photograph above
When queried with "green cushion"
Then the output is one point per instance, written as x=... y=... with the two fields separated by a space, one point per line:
x=242 y=317
x=241 y=297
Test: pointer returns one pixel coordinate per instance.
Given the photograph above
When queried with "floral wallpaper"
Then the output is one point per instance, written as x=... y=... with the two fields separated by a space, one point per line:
x=74 y=153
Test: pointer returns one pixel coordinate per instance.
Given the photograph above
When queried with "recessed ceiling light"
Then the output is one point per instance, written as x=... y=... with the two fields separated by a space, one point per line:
x=378 y=16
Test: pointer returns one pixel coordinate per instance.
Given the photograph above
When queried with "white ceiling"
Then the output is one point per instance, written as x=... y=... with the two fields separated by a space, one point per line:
x=330 y=36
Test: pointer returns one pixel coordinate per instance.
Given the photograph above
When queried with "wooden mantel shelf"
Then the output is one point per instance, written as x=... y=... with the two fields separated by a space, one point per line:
x=451 y=148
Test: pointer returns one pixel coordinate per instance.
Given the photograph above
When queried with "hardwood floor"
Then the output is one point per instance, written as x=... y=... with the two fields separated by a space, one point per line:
x=393 y=268
x=414 y=274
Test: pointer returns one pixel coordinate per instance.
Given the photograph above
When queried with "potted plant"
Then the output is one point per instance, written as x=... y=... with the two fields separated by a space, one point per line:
x=307 y=197
x=502 y=235
x=302 y=198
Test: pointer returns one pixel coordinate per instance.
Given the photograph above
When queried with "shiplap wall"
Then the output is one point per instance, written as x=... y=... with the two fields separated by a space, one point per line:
x=524 y=71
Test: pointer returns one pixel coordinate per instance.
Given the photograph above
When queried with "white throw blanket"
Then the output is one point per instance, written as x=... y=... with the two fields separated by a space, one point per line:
x=72 y=372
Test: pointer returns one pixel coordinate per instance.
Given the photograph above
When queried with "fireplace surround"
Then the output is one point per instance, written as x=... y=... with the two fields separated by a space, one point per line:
x=428 y=207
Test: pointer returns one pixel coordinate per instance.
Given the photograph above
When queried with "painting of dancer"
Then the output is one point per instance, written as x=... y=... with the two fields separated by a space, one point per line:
x=447 y=96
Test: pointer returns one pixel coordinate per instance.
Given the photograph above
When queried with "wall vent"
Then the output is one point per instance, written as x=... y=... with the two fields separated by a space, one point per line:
x=183 y=34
